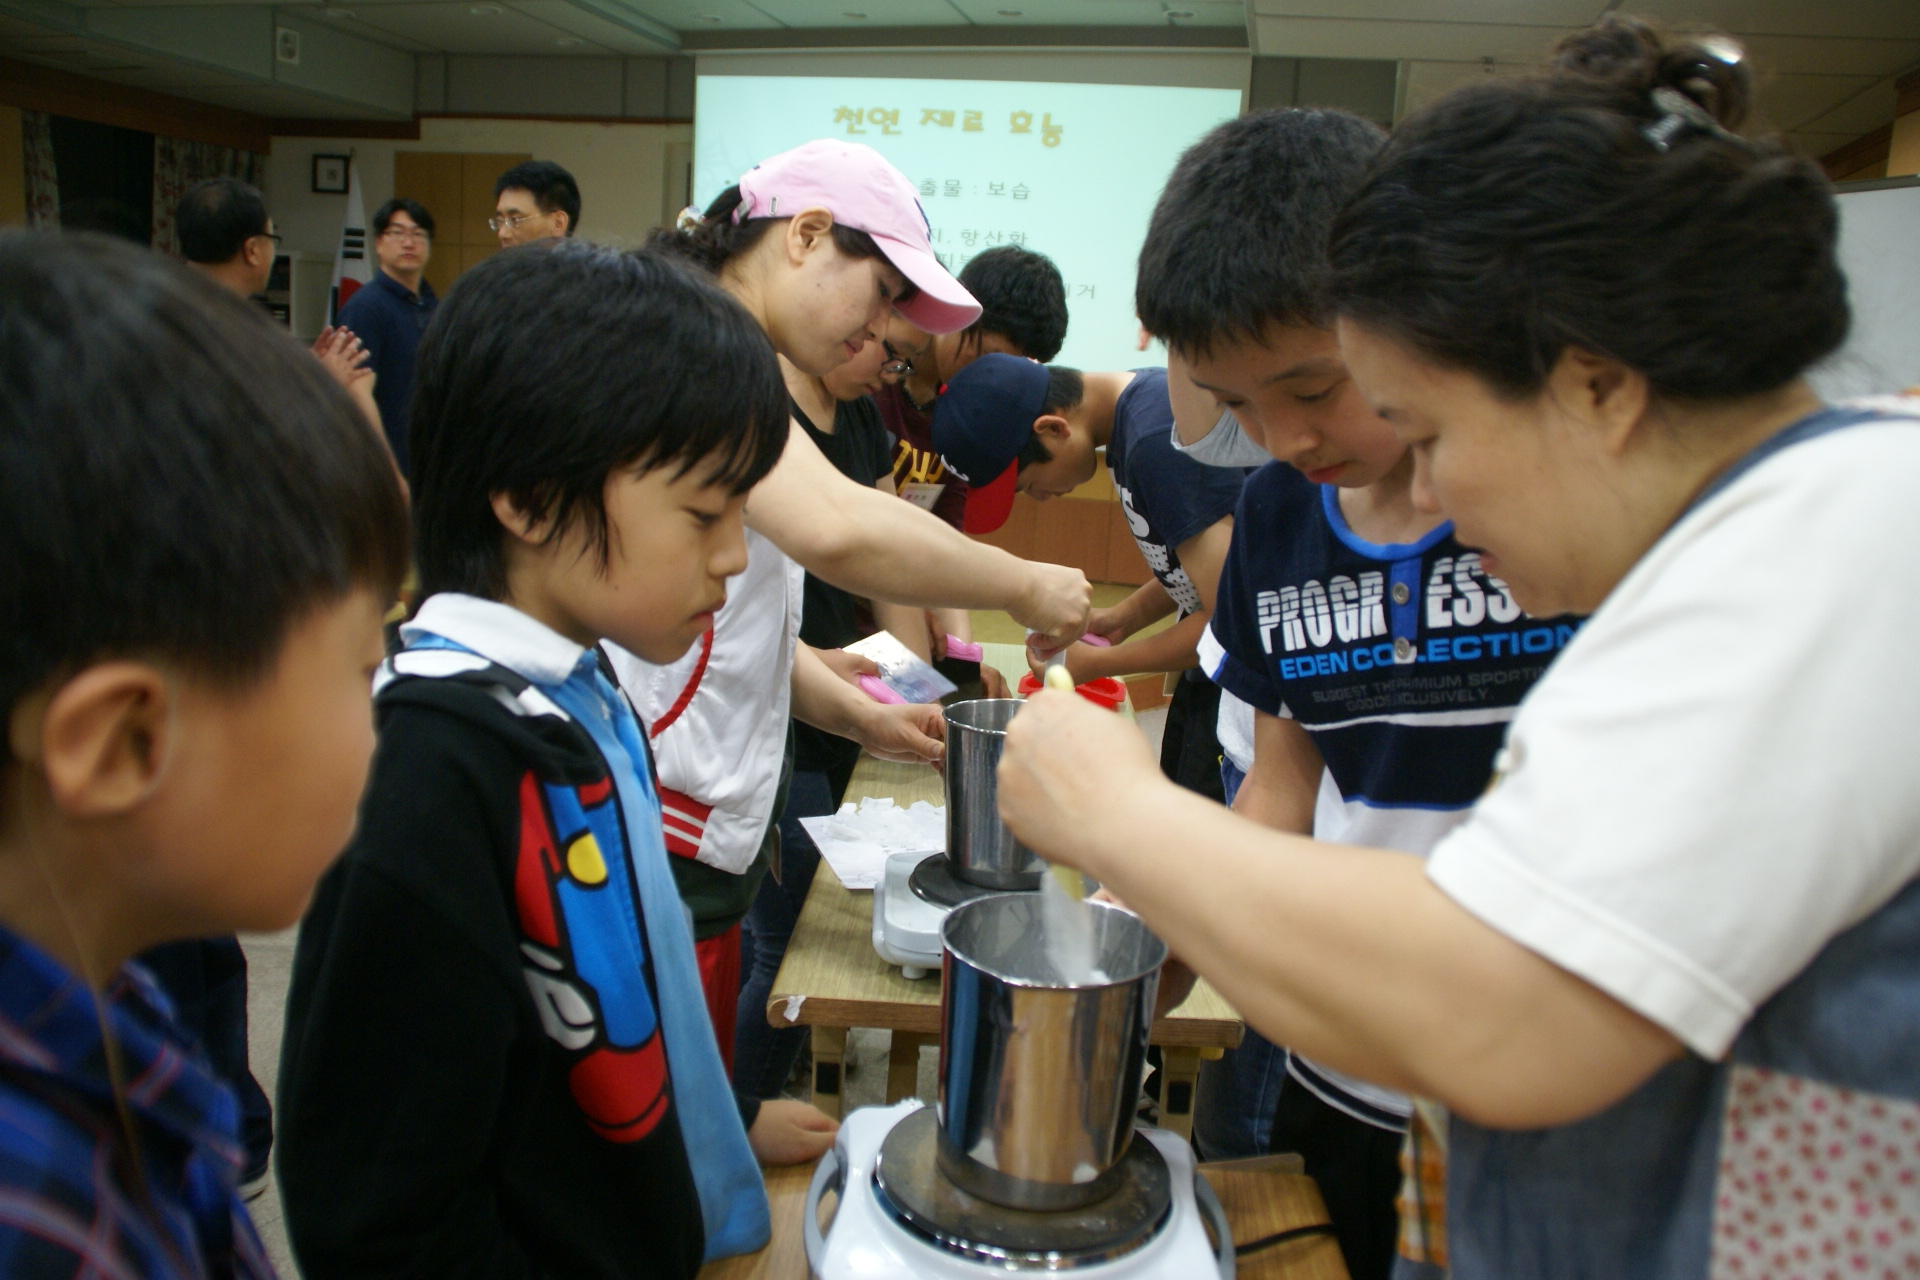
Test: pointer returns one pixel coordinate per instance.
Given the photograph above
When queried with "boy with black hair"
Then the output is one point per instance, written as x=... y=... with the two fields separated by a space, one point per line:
x=198 y=541
x=498 y=1059
x=1377 y=655
x=227 y=235
x=1015 y=426
x=392 y=310
x=1023 y=312
x=535 y=200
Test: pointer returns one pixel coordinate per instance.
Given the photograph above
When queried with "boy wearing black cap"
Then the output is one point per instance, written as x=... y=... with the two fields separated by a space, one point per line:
x=1011 y=426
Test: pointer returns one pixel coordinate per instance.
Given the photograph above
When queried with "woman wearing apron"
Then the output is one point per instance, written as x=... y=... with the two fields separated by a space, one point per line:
x=1667 y=977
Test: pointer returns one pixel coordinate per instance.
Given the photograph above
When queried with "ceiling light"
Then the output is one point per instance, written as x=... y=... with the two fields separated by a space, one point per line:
x=1010 y=13
x=1179 y=13
x=569 y=42
x=481 y=10
x=851 y=14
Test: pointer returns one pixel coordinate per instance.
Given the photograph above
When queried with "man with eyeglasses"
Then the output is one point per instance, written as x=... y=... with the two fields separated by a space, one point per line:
x=226 y=234
x=391 y=311
x=534 y=200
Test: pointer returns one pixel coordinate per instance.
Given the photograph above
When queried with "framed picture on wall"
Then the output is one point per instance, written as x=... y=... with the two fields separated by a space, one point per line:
x=330 y=175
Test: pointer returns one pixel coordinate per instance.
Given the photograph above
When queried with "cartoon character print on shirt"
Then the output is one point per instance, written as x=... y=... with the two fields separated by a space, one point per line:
x=1159 y=558
x=584 y=958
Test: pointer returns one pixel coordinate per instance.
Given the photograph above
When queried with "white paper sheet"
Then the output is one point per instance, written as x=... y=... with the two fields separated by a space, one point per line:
x=857 y=842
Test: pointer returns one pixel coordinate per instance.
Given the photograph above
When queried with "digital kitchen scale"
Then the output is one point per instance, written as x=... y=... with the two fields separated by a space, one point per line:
x=913 y=897
x=900 y=1218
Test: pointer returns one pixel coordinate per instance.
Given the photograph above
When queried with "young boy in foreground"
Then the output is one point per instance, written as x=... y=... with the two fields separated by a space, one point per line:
x=498 y=1059
x=200 y=539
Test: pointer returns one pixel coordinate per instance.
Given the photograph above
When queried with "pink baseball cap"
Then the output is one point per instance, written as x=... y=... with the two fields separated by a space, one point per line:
x=862 y=190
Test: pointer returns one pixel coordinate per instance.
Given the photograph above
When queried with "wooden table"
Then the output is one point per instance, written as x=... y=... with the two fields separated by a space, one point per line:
x=1259 y=1203
x=832 y=981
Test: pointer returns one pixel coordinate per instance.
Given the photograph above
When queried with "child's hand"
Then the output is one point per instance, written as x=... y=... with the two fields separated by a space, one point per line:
x=1079 y=656
x=993 y=683
x=1108 y=625
x=912 y=732
x=790 y=1132
x=848 y=666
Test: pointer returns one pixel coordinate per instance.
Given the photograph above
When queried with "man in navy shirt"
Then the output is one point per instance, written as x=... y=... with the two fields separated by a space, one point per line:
x=1010 y=426
x=391 y=311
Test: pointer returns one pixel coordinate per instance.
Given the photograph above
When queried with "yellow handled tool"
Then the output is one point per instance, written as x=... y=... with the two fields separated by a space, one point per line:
x=1068 y=879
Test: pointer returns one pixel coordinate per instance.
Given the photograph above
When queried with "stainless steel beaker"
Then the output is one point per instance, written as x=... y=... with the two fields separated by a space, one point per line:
x=1039 y=1081
x=982 y=850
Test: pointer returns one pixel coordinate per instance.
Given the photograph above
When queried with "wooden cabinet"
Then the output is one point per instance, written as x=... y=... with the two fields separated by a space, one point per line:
x=457 y=189
x=1089 y=533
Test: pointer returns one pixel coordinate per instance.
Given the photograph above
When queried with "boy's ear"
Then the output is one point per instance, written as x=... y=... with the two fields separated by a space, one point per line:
x=101 y=740
x=1052 y=428
x=528 y=528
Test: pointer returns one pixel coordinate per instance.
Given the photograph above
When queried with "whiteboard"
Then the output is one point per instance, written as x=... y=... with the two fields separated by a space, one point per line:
x=1880 y=252
x=1070 y=170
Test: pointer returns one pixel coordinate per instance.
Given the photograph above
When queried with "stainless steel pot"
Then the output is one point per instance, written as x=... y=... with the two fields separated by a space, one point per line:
x=982 y=850
x=1039 y=1081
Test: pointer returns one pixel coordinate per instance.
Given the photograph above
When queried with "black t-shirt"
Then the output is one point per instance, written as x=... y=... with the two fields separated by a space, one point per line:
x=861 y=450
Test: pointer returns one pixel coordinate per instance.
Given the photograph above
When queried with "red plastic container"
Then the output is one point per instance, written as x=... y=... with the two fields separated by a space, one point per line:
x=1105 y=692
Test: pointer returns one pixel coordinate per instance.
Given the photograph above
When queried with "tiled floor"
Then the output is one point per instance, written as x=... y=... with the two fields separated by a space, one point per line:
x=270 y=963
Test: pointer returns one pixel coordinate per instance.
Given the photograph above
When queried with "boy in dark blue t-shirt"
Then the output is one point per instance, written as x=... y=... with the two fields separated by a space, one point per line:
x=1382 y=658
x=1015 y=426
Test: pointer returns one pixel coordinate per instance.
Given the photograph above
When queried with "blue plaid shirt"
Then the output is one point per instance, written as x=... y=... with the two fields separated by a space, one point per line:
x=75 y=1198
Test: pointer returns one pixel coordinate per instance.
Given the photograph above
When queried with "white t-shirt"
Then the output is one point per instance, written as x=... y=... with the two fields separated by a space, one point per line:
x=718 y=716
x=1722 y=770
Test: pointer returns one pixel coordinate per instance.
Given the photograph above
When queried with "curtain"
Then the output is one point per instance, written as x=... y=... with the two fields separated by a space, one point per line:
x=43 y=183
x=178 y=164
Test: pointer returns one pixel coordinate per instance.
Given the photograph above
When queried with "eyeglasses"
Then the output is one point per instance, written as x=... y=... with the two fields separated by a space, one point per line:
x=501 y=223
x=897 y=365
x=408 y=234
x=270 y=235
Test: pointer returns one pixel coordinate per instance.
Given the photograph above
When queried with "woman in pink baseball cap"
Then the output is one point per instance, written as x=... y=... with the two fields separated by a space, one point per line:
x=820 y=243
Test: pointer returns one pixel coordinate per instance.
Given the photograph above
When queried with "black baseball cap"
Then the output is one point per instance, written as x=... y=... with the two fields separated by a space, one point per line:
x=981 y=422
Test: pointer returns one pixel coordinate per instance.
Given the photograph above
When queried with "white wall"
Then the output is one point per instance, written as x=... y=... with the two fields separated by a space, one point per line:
x=622 y=169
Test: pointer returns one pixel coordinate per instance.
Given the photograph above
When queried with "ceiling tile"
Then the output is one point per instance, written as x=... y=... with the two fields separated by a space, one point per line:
x=1437 y=41
x=1895 y=19
x=700 y=15
x=577 y=23
x=879 y=13
x=1551 y=13
x=1862 y=113
x=1788 y=103
x=1135 y=13
x=456 y=28
x=329 y=16
x=1829 y=55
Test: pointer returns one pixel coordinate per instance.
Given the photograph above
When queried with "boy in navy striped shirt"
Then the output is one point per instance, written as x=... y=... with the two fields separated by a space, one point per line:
x=1382 y=659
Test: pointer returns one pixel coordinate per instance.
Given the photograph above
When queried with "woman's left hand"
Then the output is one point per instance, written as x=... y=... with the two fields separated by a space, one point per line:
x=1068 y=766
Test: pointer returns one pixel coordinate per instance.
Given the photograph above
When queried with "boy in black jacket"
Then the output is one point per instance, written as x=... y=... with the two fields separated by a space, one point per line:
x=498 y=1060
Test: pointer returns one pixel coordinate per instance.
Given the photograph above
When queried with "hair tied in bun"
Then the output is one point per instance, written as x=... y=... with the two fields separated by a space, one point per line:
x=1680 y=113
